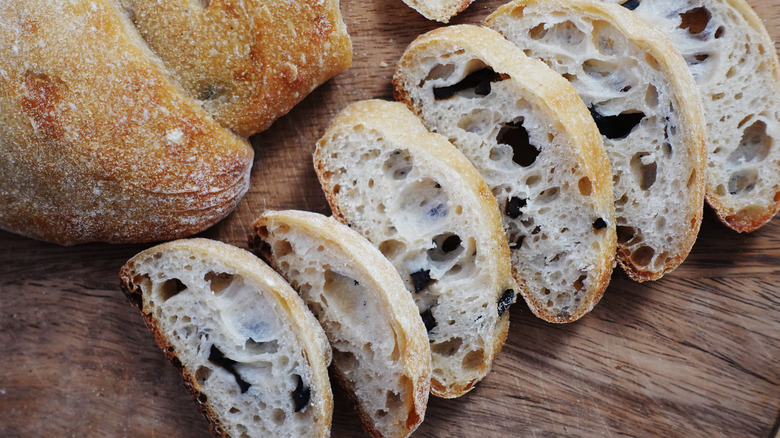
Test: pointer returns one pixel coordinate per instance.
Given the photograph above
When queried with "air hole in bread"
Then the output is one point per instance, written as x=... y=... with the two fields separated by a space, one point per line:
x=695 y=20
x=448 y=347
x=217 y=357
x=393 y=401
x=532 y=180
x=514 y=207
x=644 y=168
x=170 y=288
x=651 y=96
x=428 y=319
x=211 y=92
x=731 y=73
x=278 y=417
x=579 y=283
x=265 y=347
x=618 y=126
x=447 y=247
x=515 y=135
x=440 y=71
x=346 y=360
x=474 y=359
x=563 y=33
x=743 y=181
x=391 y=248
x=643 y=255
x=585 y=186
x=300 y=395
x=218 y=281
x=475 y=85
x=202 y=374
x=754 y=145
x=399 y=164
x=625 y=234
x=478 y=121
x=691 y=179
x=598 y=69
x=548 y=195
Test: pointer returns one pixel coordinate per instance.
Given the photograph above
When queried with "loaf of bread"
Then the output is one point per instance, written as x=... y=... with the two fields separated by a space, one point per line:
x=646 y=105
x=250 y=352
x=249 y=62
x=439 y=10
x=736 y=69
x=96 y=142
x=418 y=199
x=380 y=347
x=533 y=140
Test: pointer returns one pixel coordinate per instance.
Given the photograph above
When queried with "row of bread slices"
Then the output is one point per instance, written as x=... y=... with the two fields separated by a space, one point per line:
x=531 y=188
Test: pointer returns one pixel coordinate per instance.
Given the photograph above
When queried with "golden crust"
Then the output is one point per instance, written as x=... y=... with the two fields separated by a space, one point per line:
x=308 y=334
x=550 y=93
x=247 y=62
x=97 y=143
x=408 y=329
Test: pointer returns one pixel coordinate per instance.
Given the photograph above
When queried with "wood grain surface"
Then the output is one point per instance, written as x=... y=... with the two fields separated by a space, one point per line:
x=694 y=354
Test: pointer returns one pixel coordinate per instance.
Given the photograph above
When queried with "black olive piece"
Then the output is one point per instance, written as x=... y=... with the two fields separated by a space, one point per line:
x=599 y=224
x=616 y=127
x=479 y=80
x=438 y=211
x=505 y=301
x=517 y=244
x=217 y=357
x=301 y=395
x=516 y=136
x=631 y=4
x=421 y=279
x=514 y=207
x=428 y=320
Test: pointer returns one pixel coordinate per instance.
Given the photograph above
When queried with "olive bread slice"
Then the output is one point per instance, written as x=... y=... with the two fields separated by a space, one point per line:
x=381 y=354
x=416 y=198
x=646 y=105
x=533 y=140
x=250 y=352
x=735 y=66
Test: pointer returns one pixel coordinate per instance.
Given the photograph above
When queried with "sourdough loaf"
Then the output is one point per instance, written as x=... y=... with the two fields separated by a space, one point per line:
x=250 y=352
x=645 y=103
x=735 y=66
x=416 y=198
x=533 y=140
x=380 y=347
x=248 y=62
x=96 y=142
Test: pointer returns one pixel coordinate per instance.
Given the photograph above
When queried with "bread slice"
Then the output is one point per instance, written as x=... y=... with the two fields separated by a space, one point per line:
x=96 y=142
x=736 y=69
x=528 y=133
x=439 y=10
x=646 y=106
x=380 y=347
x=247 y=63
x=249 y=350
x=416 y=198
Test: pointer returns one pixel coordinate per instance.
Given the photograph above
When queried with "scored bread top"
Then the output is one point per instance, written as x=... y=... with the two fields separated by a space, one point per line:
x=247 y=63
x=97 y=143
x=251 y=353
x=415 y=197
x=645 y=103
x=735 y=66
x=533 y=140
x=380 y=347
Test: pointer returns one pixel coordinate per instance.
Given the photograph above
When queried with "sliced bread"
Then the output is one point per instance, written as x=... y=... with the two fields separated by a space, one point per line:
x=645 y=103
x=380 y=347
x=736 y=69
x=533 y=140
x=439 y=10
x=250 y=352
x=416 y=198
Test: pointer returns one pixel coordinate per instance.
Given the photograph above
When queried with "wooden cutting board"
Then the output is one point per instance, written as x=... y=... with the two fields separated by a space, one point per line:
x=694 y=354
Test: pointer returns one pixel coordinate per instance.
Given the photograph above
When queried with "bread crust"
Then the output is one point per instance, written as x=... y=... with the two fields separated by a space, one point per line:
x=308 y=334
x=94 y=149
x=549 y=94
x=434 y=153
x=439 y=10
x=376 y=274
x=249 y=62
x=685 y=99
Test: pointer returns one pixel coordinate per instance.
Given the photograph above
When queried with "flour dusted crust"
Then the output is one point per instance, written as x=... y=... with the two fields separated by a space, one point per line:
x=648 y=109
x=97 y=143
x=533 y=140
x=439 y=10
x=250 y=352
x=380 y=347
x=248 y=62
x=415 y=197
x=735 y=66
